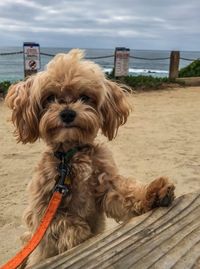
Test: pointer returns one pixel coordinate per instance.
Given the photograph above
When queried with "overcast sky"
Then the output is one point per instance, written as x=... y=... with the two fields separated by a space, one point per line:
x=138 y=24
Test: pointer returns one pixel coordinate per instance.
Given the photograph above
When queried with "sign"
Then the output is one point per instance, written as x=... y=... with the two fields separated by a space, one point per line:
x=31 y=56
x=121 y=62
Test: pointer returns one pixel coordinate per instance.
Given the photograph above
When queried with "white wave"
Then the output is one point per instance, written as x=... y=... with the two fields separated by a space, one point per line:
x=131 y=70
x=140 y=71
x=108 y=70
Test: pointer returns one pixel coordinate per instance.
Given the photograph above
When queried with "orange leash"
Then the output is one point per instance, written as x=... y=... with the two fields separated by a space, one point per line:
x=40 y=232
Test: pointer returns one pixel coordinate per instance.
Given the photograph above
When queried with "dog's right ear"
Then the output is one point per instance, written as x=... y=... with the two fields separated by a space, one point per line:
x=24 y=111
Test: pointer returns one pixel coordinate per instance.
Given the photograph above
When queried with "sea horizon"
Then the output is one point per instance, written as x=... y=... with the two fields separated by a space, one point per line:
x=88 y=48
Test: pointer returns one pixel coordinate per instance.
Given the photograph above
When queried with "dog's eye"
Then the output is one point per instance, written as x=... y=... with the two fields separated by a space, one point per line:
x=84 y=98
x=51 y=98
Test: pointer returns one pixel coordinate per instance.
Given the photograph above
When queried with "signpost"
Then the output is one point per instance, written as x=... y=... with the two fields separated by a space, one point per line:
x=31 y=58
x=121 y=61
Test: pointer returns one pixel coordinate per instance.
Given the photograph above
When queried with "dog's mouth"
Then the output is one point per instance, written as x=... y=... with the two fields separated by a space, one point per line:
x=65 y=126
x=71 y=127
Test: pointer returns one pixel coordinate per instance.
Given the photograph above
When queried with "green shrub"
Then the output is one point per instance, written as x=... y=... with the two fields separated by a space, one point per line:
x=145 y=81
x=192 y=70
x=142 y=82
x=4 y=85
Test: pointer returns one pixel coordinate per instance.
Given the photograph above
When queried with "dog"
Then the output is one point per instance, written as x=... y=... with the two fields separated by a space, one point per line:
x=66 y=105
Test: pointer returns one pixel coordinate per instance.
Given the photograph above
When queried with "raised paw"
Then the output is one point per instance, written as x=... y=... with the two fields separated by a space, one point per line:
x=160 y=192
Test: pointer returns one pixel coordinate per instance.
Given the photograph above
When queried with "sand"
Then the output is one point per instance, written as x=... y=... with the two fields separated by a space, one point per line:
x=161 y=137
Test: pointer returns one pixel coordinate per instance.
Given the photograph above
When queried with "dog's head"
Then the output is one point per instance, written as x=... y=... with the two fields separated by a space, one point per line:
x=68 y=102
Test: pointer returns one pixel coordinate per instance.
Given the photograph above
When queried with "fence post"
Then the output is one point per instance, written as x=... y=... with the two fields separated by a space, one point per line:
x=31 y=58
x=121 y=62
x=174 y=64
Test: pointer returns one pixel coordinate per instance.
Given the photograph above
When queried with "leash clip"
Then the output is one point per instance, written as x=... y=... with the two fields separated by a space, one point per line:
x=64 y=170
x=61 y=189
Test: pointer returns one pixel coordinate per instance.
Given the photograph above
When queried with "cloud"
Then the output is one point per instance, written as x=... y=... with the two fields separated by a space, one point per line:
x=144 y=24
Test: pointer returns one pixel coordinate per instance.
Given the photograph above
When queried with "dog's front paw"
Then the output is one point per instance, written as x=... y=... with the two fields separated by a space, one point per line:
x=160 y=192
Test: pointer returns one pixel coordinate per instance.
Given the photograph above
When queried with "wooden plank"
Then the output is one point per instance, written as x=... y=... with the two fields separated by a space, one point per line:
x=163 y=238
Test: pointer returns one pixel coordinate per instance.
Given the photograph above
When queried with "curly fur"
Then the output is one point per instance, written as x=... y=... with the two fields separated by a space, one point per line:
x=70 y=82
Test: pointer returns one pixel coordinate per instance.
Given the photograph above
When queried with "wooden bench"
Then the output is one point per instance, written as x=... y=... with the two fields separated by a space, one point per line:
x=163 y=238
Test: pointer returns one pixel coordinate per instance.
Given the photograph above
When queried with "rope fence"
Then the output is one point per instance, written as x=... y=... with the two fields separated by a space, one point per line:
x=150 y=59
x=102 y=57
x=47 y=54
x=16 y=63
x=190 y=60
x=10 y=53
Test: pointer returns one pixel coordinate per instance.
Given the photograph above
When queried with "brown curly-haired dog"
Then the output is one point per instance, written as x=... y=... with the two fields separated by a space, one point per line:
x=66 y=105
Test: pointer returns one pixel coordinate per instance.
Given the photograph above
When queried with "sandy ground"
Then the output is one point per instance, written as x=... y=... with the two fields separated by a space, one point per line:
x=162 y=137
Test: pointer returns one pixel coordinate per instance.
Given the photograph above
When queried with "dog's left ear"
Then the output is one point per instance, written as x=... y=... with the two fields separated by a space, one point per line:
x=115 y=109
x=24 y=111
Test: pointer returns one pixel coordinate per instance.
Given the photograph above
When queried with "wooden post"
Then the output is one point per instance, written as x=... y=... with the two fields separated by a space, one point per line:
x=174 y=64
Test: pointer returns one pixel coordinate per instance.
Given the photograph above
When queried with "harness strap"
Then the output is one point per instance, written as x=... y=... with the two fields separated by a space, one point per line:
x=39 y=234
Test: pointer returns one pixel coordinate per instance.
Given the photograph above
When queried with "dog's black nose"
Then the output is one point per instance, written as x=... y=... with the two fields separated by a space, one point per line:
x=67 y=115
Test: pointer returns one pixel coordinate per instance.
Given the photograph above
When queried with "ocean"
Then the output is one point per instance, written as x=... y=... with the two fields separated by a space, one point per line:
x=145 y=62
